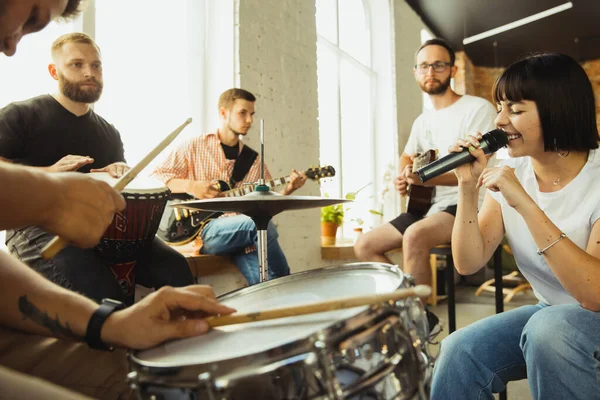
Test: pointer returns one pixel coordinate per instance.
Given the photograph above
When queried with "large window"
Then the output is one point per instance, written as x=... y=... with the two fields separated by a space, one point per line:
x=26 y=74
x=353 y=59
x=156 y=63
x=156 y=75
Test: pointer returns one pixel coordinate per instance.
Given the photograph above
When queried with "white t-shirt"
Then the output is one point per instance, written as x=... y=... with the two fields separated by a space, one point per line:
x=573 y=209
x=439 y=129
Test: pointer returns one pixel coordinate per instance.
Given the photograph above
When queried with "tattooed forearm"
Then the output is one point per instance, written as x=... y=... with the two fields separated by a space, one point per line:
x=30 y=311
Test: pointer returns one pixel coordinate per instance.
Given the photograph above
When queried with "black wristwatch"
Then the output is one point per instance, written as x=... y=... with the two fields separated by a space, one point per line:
x=92 y=335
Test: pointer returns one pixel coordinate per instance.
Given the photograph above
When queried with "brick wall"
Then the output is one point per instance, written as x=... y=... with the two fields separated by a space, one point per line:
x=473 y=80
x=479 y=81
x=592 y=68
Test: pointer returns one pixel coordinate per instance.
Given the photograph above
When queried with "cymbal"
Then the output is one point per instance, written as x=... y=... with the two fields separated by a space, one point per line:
x=259 y=203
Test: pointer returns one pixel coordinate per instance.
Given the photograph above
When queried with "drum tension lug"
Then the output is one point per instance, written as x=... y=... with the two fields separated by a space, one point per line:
x=205 y=379
x=132 y=379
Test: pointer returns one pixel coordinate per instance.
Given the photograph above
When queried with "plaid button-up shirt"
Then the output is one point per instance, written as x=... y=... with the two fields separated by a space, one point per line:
x=202 y=159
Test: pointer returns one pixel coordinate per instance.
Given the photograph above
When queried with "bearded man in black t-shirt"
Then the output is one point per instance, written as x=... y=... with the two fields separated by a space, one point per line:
x=61 y=132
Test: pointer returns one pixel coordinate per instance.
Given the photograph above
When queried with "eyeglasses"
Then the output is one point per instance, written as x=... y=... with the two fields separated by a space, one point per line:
x=437 y=67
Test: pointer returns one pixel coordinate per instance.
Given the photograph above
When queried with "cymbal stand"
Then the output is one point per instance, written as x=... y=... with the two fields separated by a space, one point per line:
x=262 y=222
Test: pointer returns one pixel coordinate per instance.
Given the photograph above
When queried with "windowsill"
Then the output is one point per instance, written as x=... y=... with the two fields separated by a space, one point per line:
x=338 y=251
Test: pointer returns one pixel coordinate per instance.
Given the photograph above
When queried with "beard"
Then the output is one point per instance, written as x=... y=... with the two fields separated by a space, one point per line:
x=75 y=92
x=439 y=89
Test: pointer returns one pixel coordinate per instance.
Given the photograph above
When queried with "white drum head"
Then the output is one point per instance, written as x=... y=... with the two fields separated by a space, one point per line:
x=140 y=184
x=244 y=339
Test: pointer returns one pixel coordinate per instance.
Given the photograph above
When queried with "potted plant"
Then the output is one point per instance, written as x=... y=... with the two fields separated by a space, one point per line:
x=358 y=230
x=331 y=218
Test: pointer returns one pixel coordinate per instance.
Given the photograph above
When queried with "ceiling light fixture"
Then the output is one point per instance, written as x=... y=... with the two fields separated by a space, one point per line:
x=520 y=22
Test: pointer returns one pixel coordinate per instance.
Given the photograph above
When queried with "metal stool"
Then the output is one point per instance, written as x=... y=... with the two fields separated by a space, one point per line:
x=446 y=250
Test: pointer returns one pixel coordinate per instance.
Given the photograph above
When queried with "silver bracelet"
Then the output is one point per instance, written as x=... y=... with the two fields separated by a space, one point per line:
x=561 y=237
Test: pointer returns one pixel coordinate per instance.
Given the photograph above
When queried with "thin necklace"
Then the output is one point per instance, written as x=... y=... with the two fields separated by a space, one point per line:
x=556 y=182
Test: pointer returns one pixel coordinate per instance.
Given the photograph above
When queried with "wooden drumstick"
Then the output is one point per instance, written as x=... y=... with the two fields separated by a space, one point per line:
x=58 y=243
x=330 y=305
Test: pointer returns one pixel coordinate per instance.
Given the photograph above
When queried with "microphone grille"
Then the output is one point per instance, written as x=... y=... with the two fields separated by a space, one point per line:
x=495 y=139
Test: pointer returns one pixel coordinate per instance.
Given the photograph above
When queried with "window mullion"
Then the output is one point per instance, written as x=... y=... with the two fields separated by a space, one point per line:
x=346 y=56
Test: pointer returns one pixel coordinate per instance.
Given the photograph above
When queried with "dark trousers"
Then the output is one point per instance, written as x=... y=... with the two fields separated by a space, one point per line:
x=86 y=272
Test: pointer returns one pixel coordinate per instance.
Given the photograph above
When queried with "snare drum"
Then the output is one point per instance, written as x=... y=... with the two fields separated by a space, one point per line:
x=132 y=229
x=363 y=352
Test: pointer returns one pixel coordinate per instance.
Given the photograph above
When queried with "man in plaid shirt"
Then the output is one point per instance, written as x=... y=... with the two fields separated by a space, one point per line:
x=195 y=168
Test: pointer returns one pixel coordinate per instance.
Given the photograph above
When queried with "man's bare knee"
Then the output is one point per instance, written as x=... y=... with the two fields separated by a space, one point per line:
x=415 y=240
x=362 y=248
x=423 y=237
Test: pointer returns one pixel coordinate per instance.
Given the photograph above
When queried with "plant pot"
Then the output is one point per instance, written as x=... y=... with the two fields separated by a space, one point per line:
x=357 y=233
x=328 y=233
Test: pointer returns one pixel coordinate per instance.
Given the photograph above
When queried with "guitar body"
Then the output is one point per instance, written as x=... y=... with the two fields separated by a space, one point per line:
x=179 y=227
x=420 y=197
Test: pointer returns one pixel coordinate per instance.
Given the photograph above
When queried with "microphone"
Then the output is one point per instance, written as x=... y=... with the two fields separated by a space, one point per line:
x=489 y=143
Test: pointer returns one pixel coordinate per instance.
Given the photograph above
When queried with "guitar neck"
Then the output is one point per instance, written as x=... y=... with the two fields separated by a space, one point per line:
x=245 y=189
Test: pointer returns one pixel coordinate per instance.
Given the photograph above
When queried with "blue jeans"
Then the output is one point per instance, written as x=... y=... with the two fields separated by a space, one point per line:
x=557 y=348
x=231 y=235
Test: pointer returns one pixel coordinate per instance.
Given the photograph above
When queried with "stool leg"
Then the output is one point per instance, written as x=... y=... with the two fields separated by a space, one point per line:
x=433 y=300
x=450 y=291
x=498 y=282
x=499 y=292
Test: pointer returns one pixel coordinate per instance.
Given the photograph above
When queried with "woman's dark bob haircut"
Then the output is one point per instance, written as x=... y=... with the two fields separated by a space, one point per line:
x=563 y=94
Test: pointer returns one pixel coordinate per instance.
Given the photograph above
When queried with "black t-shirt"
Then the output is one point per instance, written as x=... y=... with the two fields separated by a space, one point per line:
x=40 y=131
x=231 y=152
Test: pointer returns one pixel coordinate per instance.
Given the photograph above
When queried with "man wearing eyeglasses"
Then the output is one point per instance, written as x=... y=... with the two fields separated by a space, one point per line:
x=452 y=117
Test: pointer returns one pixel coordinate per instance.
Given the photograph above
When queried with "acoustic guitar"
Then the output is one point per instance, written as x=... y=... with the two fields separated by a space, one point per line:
x=180 y=226
x=420 y=197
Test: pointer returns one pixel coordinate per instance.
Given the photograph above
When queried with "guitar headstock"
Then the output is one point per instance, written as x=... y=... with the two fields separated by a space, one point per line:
x=316 y=173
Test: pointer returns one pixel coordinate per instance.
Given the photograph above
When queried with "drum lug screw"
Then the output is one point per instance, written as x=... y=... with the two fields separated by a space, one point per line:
x=132 y=379
x=333 y=387
x=206 y=380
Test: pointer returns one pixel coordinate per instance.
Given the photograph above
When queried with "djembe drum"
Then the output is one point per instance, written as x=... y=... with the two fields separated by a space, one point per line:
x=132 y=230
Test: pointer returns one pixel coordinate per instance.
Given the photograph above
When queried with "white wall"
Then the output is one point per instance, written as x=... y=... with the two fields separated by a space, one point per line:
x=277 y=62
x=407 y=27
